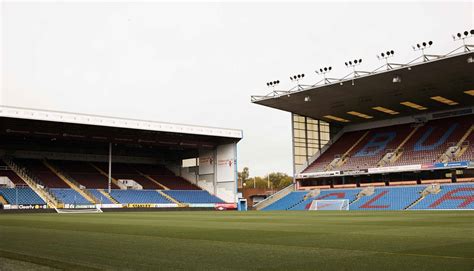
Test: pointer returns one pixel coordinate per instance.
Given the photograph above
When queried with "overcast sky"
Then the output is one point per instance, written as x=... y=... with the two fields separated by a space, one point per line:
x=198 y=63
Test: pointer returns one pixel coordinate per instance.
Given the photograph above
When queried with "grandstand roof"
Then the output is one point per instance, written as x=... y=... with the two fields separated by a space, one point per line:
x=94 y=128
x=450 y=77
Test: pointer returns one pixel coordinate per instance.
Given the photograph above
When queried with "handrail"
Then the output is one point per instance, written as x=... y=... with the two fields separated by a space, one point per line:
x=32 y=180
x=73 y=181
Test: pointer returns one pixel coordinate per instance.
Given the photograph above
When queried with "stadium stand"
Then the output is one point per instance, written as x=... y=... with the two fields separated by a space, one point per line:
x=426 y=145
x=83 y=173
x=288 y=201
x=468 y=152
x=127 y=172
x=69 y=196
x=25 y=196
x=393 y=198
x=165 y=177
x=451 y=196
x=5 y=171
x=101 y=197
x=44 y=174
x=375 y=145
x=138 y=196
x=193 y=196
x=349 y=194
x=346 y=141
x=433 y=139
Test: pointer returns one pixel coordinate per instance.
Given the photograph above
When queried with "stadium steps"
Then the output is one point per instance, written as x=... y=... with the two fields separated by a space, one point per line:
x=307 y=196
x=415 y=202
x=367 y=191
x=345 y=156
x=354 y=201
x=462 y=148
x=72 y=183
x=36 y=185
x=397 y=152
x=173 y=200
x=117 y=183
x=3 y=200
x=107 y=195
x=153 y=180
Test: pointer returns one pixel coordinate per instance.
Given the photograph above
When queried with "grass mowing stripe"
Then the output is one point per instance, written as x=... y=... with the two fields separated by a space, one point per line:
x=251 y=240
x=43 y=261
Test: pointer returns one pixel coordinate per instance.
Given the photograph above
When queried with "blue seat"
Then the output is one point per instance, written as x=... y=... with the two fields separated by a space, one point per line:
x=286 y=202
x=25 y=196
x=193 y=196
x=451 y=196
x=389 y=198
x=138 y=196
x=102 y=199
x=69 y=196
x=329 y=194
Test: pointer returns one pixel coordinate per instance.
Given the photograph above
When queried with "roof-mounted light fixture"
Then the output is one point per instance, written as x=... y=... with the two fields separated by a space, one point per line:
x=463 y=36
x=422 y=47
x=273 y=83
x=323 y=71
x=385 y=57
x=297 y=77
x=352 y=64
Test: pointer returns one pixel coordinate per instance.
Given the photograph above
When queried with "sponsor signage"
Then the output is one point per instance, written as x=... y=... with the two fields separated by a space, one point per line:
x=149 y=205
x=319 y=174
x=140 y=205
x=394 y=169
x=29 y=206
x=430 y=166
x=452 y=164
x=78 y=206
x=32 y=206
x=355 y=172
x=460 y=164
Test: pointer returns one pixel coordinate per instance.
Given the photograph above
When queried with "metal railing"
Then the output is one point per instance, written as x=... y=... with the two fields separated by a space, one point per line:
x=73 y=181
x=32 y=180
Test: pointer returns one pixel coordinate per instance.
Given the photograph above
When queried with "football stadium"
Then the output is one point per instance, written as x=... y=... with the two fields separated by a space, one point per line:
x=383 y=178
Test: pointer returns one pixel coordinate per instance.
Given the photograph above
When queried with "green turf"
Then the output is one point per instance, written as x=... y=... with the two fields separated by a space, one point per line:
x=415 y=240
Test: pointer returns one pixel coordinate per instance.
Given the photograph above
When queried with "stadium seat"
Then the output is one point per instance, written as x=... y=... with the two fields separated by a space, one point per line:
x=193 y=196
x=83 y=173
x=433 y=139
x=43 y=173
x=25 y=196
x=138 y=196
x=389 y=198
x=287 y=202
x=128 y=172
x=102 y=199
x=452 y=196
x=5 y=171
x=426 y=145
x=69 y=196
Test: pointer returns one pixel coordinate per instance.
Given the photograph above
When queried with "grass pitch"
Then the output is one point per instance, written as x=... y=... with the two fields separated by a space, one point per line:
x=414 y=240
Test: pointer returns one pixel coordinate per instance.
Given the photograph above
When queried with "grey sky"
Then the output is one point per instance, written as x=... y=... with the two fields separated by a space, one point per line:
x=198 y=63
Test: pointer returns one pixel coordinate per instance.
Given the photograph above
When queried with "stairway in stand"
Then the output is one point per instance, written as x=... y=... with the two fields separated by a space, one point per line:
x=71 y=183
x=34 y=184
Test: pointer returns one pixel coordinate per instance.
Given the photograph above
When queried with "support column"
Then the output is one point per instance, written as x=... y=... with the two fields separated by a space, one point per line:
x=293 y=145
x=454 y=176
x=110 y=167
